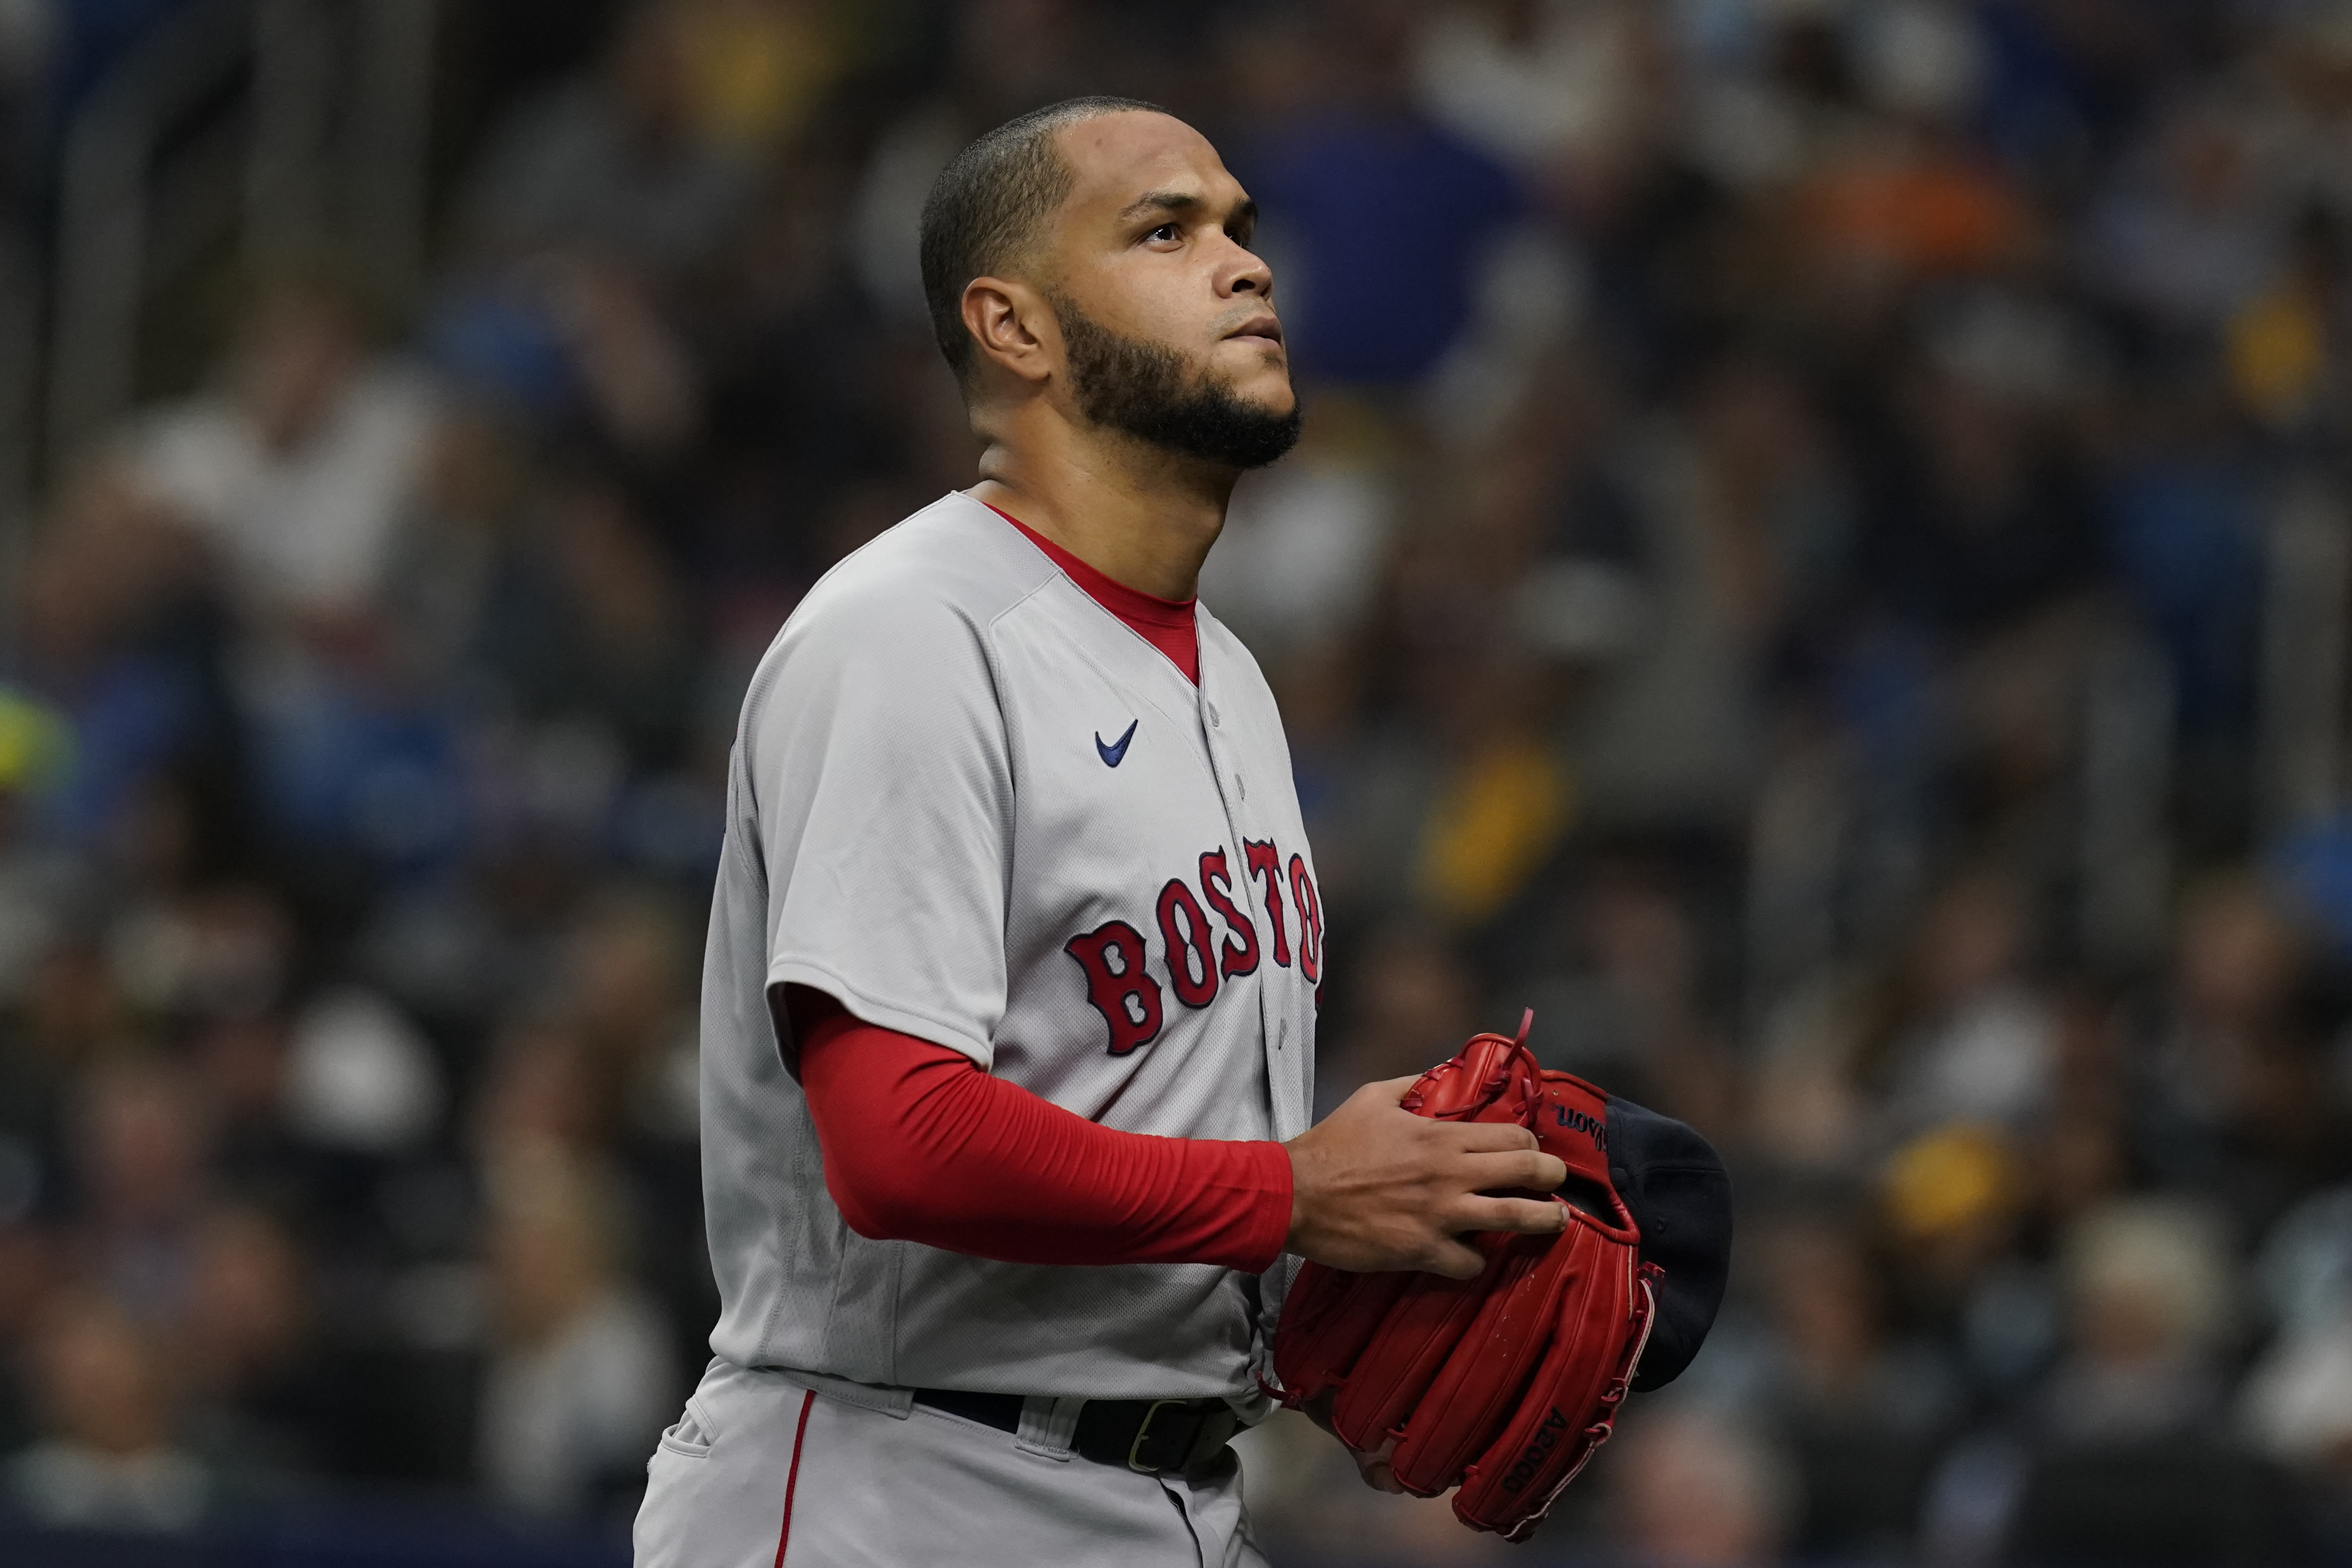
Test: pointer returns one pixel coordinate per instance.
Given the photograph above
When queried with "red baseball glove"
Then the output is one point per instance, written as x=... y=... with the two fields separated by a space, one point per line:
x=1505 y=1384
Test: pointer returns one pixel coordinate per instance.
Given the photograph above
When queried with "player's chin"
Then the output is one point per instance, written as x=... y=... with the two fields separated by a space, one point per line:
x=1267 y=388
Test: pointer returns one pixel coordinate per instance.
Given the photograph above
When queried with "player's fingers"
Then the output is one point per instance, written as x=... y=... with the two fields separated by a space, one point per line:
x=1527 y=1217
x=1487 y=1137
x=1377 y=1472
x=1530 y=1168
x=1389 y=1091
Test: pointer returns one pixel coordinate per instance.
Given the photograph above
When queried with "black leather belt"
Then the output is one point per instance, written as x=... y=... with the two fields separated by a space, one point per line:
x=1185 y=1436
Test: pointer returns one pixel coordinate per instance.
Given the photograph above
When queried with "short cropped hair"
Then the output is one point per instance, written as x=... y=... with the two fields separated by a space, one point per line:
x=985 y=209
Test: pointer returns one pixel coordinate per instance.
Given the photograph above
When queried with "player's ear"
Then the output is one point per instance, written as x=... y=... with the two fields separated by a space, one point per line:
x=1008 y=325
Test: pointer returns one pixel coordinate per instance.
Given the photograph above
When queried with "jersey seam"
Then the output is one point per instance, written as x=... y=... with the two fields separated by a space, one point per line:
x=1010 y=721
x=738 y=836
x=769 y=668
x=773 y=1244
x=843 y=1271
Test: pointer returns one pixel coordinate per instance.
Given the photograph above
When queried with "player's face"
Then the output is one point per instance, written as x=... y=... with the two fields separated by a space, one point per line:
x=1153 y=243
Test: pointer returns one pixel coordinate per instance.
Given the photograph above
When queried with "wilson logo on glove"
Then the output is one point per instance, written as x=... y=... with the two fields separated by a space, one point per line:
x=1578 y=1121
x=1503 y=1386
x=1546 y=1437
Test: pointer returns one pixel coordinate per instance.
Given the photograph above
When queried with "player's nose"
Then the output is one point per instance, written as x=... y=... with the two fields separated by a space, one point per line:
x=1250 y=275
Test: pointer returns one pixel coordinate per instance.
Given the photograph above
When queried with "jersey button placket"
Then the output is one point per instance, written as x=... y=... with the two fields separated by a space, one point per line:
x=1288 y=1108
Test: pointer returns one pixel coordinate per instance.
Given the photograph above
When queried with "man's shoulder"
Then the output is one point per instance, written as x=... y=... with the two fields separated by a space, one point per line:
x=917 y=599
x=954 y=556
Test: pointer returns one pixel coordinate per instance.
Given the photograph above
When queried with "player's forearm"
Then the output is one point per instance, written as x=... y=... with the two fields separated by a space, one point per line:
x=920 y=1145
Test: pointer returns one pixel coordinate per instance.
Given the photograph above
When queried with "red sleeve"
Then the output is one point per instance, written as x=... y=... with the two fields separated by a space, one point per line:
x=922 y=1145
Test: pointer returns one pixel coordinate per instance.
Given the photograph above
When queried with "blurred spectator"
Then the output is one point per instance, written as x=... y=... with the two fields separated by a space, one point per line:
x=2285 y=345
x=1296 y=563
x=1630 y=1004
x=2184 y=233
x=2298 y=1406
x=360 y=1077
x=1858 y=1409
x=1976 y=521
x=2183 y=498
x=1325 y=170
x=109 y=570
x=1955 y=1200
x=625 y=987
x=1538 y=85
x=588 y=628
x=1005 y=56
x=1972 y=1041
x=2149 y=1312
x=458 y=538
x=580 y=1381
x=1412 y=1004
x=1503 y=796
x=758 y=68
x=245 y=1354
x=1909 y=201
x=1950 y=1034
x=2296 y=1402
x=2236 y=1100
x=624 y=165
x=141 y=1176
x=1690 y=1492
x=296 y=471
x=1840 y=1371
x=106 y=1459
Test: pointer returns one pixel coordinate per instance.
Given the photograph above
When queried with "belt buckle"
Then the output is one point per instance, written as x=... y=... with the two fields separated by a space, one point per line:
x=1143 y=1436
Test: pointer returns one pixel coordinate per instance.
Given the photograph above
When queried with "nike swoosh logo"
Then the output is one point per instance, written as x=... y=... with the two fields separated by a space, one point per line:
x=1112 y=755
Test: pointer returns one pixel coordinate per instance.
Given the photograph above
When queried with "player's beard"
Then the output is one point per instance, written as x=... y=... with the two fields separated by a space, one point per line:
x=1148 y=391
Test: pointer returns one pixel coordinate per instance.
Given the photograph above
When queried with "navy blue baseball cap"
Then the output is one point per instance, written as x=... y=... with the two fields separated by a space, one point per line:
x=1680 y=1194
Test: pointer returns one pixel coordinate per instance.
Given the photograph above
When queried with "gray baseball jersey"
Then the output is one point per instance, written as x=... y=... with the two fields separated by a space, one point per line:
x=976 y=807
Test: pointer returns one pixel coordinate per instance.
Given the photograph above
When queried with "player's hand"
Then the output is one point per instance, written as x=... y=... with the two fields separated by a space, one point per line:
x=1373 y=1186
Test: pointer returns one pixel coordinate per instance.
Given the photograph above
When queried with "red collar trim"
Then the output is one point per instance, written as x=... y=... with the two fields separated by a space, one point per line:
x=1167 y=625
x=1128 y=603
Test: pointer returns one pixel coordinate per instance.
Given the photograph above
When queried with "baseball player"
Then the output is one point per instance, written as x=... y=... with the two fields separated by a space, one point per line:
x=1008 y=1018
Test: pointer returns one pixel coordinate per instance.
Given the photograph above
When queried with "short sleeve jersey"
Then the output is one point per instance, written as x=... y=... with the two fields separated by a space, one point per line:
x=975 y=806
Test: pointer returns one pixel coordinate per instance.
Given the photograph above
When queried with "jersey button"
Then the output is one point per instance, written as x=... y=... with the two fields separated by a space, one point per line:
x=1215 y=723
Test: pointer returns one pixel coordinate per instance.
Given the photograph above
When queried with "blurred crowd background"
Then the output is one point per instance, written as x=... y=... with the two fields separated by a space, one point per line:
x=1821 y=561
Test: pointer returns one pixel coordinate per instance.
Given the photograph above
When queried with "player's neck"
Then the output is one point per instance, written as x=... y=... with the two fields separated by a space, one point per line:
x=1141 y=516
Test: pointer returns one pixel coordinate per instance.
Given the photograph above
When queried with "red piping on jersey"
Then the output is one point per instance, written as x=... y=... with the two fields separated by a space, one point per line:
x=792 y=1477
x=1167 y=625
x=920 y=1145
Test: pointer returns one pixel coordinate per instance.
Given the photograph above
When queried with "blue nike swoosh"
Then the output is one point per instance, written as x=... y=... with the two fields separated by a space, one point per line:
x=1114 y=755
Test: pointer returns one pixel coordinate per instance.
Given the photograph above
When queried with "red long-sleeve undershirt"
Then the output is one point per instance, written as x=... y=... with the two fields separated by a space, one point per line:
x=922 y=1145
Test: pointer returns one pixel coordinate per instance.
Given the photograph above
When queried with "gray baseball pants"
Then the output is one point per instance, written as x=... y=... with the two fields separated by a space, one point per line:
x=765 y=1471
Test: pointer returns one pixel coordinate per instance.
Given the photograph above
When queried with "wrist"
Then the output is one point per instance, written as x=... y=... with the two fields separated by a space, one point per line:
x=1277 y=1207
x=1298 y=1163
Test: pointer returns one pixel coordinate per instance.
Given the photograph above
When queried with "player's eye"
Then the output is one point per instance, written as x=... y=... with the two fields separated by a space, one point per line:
x=1168 y=231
